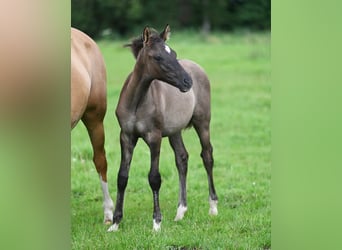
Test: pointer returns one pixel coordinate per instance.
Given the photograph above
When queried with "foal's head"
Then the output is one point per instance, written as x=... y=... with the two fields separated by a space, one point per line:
x=159 y=60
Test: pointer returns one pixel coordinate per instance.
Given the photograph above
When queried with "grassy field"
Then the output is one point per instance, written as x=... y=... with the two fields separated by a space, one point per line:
x=238 y=66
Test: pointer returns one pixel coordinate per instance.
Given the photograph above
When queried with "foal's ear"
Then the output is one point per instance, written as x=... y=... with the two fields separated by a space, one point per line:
x=165 y=35
x=146 y=35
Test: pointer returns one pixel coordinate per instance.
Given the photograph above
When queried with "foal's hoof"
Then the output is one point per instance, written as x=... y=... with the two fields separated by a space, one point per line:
x=213 y=207
x=113 y=228
x=156 y=226
x=180 y=212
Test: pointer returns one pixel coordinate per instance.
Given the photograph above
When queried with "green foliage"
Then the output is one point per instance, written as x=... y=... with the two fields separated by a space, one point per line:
x=82 y=16
x=124 y=17
x=238 y=66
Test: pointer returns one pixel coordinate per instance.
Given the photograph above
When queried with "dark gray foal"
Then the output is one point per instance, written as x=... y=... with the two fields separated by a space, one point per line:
x=161 y=97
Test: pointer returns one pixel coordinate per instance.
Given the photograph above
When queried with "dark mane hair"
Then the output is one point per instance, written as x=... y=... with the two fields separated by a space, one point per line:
x=137 y=43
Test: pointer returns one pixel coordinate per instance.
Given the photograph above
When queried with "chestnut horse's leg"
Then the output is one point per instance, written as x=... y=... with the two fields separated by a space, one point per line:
x=93 y=120
x=153 y=140
x=181 y=156
x=202 y=129
x=127 y=143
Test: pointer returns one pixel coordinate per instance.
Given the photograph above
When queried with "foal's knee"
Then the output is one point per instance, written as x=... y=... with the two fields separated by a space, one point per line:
x=182 y=162
x=154 y=179
x=182 y=158
x=122 y=182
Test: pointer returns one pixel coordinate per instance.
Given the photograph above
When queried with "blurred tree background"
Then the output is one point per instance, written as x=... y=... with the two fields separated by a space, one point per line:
x=126 y=17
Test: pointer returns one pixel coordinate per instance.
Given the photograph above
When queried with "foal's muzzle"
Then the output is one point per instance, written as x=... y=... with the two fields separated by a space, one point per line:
x=187 y=84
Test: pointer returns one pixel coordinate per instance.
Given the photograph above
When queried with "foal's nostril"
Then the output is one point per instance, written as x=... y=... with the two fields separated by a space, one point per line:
x=188 y=81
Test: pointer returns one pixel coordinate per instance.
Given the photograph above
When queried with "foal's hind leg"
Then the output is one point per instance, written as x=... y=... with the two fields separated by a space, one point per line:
x=93 y=120
x=181 y=156
x=202 y=129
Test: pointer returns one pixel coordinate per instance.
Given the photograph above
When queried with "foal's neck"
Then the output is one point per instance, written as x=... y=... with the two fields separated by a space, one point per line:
x=136 y=88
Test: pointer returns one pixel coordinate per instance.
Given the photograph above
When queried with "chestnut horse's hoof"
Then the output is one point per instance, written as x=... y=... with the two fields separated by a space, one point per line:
x=108 y=222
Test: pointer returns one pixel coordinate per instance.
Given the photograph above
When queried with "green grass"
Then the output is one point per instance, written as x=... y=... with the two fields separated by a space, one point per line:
x=238 y=66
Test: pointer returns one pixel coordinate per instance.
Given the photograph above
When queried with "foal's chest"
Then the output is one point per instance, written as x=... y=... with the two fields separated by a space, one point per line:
x=140 y=122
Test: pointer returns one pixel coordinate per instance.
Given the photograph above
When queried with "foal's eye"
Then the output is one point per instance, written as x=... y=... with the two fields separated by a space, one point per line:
x=157 y=58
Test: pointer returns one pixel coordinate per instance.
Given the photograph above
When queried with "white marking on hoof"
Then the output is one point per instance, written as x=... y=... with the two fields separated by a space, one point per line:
x=113 y=228
x=213 y=207
x=107 y=221
x=180 y=212
x=108 y=212
x=167 y=48
x=156 y=226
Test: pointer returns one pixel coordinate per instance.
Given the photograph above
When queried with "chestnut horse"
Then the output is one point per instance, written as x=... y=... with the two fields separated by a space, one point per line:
x=89 y=103
x=161 y=97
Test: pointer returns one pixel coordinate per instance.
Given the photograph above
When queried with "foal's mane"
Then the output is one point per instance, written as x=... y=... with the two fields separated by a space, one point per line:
x=138 y=43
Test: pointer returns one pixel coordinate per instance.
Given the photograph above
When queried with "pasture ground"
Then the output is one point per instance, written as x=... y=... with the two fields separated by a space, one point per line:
x=238 y=66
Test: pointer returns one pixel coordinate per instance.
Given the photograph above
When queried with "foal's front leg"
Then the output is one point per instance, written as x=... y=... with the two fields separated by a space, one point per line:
x=153 y=140
x=181 y=156
x=128 y=143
